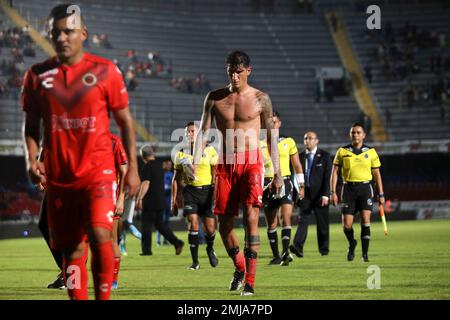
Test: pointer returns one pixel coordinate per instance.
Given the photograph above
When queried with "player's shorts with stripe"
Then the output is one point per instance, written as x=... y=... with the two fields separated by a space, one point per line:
x=198 y=200
x=270 y=202
x=239 y=180
x=72 y=211
x=356 y=197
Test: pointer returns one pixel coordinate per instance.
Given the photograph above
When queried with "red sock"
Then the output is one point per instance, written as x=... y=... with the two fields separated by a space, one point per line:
x=116 y=269
x=239 y=261
x=251 y=271
x=102 y=264
x=76 y=277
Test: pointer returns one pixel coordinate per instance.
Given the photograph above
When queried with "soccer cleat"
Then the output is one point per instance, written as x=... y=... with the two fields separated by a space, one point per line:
x=351 y=251
x=123 y=250
x=248 y=290
x=114 y=285
x=135 y=232
x=286 y=258
x=58 y=283
x=296 y=250
x=365 y=258
x=213 y=261
x=236 y=282
x=194 y=266
x=179 y=248
x=275 y=261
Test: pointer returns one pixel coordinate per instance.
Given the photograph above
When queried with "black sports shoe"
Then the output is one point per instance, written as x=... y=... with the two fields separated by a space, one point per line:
x=351 y=251
x=194 y=266
x=286 y=258
x=248 y=290
x=296 y=250
x=236 y=282
x=365 y=258
x=275 y=261
x=58 y=283
x=213 y=261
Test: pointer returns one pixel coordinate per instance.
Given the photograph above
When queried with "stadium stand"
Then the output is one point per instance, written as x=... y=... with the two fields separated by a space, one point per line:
x=406 y=87
x=286 y=47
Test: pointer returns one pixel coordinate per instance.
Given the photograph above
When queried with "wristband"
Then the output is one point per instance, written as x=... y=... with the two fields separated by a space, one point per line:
x=300 y=177
x=381 y=195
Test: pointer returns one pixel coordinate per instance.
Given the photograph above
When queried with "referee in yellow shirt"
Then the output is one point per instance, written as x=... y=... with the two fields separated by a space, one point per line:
x=197 y=193
x=271 y=203
x=359 y=164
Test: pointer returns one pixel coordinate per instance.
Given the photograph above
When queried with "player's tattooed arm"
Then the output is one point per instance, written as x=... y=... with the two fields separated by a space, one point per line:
x=31 y=136
x=205 y=125
x=272 y=137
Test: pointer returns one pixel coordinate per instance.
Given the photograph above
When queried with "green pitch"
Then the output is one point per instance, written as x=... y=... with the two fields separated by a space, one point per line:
x=414 y=263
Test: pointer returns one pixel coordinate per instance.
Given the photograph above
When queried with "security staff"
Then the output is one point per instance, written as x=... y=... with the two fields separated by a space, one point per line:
x=197 y=193
x=273 y=203
x=317 y=164
x=359 y=164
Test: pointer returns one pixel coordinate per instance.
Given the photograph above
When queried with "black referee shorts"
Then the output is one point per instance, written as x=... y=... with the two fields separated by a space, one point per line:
x=356 y=197
x=269 y=202
x=198 y=200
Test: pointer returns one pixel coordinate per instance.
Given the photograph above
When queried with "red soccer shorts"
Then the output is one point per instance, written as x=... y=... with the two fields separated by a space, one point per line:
x=72 y=212
x=238 y=180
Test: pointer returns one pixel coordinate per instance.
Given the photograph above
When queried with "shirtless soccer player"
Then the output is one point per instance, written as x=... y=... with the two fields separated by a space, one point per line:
x=240 y=112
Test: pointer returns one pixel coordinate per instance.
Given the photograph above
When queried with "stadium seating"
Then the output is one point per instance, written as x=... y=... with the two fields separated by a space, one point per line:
x=419 y=122
x=286 y=47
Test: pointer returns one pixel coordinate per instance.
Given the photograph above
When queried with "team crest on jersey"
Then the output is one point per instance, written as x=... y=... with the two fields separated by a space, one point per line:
x=89 y=79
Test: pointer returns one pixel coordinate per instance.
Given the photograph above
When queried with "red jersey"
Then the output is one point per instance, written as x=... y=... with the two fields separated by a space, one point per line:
x=120 y=156
x=74 y=102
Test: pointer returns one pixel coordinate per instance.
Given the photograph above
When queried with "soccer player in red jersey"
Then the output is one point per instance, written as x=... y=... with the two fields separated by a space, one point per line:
x=121 y=162
x=72 y=94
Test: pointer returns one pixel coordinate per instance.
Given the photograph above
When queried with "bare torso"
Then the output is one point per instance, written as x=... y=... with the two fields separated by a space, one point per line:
x=238 y=117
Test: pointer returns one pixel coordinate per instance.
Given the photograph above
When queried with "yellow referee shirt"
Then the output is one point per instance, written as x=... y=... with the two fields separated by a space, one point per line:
x=286 y=148
x=203 y=172
x=357 y=164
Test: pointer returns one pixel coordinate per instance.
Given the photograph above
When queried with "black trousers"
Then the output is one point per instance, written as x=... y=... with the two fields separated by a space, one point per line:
x=307 y=209
x=43 y=227
x=152 y=218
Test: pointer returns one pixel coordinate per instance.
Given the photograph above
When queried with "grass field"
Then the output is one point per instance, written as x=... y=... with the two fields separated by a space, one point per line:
x=414 y=261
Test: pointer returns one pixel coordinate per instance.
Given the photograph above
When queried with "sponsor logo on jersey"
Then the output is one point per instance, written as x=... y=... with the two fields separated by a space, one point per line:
x=62 y=122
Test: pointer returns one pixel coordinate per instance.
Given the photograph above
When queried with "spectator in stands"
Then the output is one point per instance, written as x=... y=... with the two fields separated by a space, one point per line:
x=132 y=82
x=3 y=89
x=96 y=40
x=15 y=83
x=104 y=41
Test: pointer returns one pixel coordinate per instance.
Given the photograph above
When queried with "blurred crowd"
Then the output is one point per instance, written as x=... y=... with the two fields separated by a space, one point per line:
x=15 y=44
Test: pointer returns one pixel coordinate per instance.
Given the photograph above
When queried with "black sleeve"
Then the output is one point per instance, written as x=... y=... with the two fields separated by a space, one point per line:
x=147 y=172
x=327 y=175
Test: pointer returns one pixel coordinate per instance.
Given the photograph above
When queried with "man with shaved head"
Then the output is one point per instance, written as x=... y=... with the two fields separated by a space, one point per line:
x=317 y=165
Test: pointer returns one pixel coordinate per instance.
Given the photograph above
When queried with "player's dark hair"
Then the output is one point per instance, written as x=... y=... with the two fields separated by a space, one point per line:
x=276 y=114
x=237 y=58
x=61 y=11
x=358 y=124
x=190 y=123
